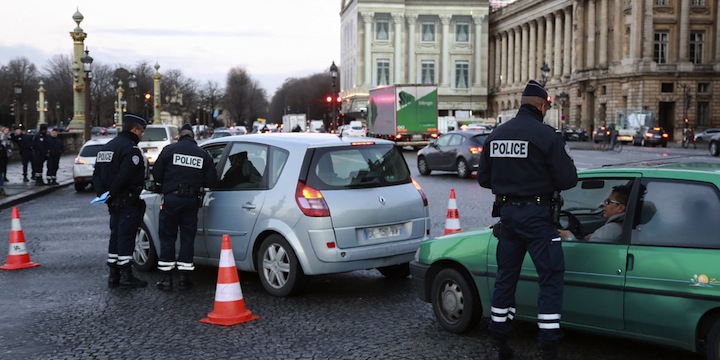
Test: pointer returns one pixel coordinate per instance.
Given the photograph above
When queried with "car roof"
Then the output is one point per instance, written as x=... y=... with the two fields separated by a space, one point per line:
x=471 y=132
x=297 y=138
x=102 y=141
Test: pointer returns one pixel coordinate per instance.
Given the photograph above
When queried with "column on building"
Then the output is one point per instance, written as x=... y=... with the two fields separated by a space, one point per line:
x=445 y=67
x=579 y=35
x=517 y=58
x=684 y=30
x=604 y=25
x=411 y=72
x=398 y=19
x=492 y=61
x=591 y=20
x=532 y=61
x=717 y=38
x=636 y=31
x=540 y=55
x=524 y=53
x=548 y=41
x=648 y=30
x=505 y=59
x=479 y=71
x=557 y=61
x=367 y=47
x=498 y=68
x=618 y=30
x=567 y=44
x=511 y=57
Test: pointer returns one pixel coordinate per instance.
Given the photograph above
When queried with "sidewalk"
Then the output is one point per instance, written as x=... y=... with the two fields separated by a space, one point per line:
x=18 y=191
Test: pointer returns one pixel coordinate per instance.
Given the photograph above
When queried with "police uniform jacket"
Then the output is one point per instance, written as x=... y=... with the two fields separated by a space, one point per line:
x=55 y=146
x=23 y=142
x=184 y=163
x=120 y=167
x=525 y=157
x=39 y=145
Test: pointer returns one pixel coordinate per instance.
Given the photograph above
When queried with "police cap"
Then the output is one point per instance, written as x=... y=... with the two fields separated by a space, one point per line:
x=132 y=118
x=533 y=88
x=186 y=126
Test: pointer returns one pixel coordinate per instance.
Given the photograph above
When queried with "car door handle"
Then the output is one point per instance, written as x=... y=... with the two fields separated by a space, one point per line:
x=248 y=206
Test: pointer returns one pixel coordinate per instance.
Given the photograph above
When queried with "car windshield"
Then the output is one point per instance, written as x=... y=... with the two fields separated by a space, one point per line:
x=155 y=134
x=90 y=150
x=363 y=166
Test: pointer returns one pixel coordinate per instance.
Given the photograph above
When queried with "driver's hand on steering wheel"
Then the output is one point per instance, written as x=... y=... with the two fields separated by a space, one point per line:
x=566 y=234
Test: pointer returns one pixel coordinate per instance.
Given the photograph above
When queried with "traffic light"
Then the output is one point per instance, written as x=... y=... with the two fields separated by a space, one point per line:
x=328 y=99
x=338 y=100
x=148 y=97
x=12 y=109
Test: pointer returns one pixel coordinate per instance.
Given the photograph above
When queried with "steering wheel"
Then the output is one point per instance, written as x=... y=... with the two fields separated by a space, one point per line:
x=574 y=224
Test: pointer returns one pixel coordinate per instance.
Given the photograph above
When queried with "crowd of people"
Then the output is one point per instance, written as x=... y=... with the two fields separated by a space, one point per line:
x=39 y=151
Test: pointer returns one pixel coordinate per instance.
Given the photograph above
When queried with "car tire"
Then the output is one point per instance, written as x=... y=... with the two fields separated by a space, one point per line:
x=400 y=271
x=144 y=254
x=713 y=148
x=280 y=271
x=80 y=186
x=455 y=301
x=422 y=165
x=462 y=169
x=712 y=344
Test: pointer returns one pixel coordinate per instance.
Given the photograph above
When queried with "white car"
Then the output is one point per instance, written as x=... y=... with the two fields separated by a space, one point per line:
x=84 y=164
x=355 y=128
x=155 y=138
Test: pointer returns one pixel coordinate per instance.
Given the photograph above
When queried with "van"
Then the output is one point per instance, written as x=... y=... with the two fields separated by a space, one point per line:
x=155 y=138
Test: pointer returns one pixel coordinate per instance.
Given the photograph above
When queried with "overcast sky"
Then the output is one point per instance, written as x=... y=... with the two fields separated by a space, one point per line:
x=271 y=39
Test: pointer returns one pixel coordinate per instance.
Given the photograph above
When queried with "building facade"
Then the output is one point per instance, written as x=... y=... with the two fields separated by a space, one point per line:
x=441 y=42
x=609 y=58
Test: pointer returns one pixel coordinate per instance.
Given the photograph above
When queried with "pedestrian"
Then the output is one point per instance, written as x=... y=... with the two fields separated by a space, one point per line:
x=7 y=144
x=23 y=142
x=40 y=150
x=181 y=170
x=56 y=148
x=526 y=164
x=120 y=170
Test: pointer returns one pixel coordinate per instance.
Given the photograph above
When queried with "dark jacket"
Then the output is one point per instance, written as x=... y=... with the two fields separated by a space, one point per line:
x=55 y=146
x=23 y=142
x=120 y=167
x=184 y=163
x=39 y=145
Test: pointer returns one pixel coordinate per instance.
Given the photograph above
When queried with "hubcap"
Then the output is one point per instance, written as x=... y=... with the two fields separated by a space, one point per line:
x=142 y=247
x=452 y=301
x=276 y=266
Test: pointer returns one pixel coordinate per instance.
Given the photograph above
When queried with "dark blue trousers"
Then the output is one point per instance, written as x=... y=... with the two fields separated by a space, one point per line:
x=528 y=228
x=124 y=222
x=178 y=213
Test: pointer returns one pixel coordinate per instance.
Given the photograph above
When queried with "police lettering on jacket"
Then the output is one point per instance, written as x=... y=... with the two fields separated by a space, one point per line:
x=187 y=160
x=119 y=166
x=184 y=163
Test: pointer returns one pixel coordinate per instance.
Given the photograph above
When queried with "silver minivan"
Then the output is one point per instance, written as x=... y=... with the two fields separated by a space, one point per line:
x=155 y=138
x=300 y=204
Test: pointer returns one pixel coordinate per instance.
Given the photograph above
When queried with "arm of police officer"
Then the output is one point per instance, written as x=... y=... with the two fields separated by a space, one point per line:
x=562 y=167
x=483 y=171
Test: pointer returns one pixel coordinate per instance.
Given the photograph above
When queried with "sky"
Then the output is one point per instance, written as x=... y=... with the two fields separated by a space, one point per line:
x=272 y=39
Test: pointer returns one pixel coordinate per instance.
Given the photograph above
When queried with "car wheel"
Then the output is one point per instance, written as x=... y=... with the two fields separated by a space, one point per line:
x=713 y=148
x=400 y=271
x=280 y=271
x=712 y=348
x=144 y=255
x=80 y=186
x=462 y=169
x=422 y=166
x=455 y=302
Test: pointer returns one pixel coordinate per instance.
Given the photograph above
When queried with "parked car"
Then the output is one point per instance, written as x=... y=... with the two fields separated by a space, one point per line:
x=298 y=204
x=457 y=151
x=96 y=130
x=650 y=136
x=601 y=134
x=226 y=132
x=706 y=134
x=155 y=138
x=658 y=282
x=714 y=145
x=570 y=134
x=354 y=128
x=84 y=164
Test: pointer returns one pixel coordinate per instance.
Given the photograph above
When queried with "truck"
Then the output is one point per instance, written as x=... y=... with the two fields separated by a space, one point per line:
x=293 y=122
x=506 y=115
x=552 y=117
x=316 y=126
x=406 y=114
x=629 y=121
x=447 y=123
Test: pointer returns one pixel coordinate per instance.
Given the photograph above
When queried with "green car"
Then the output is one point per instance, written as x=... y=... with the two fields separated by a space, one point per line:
x=658 y=281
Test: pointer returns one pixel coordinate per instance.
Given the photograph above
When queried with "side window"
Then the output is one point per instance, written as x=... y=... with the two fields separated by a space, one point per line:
x=444 y=140
x=683 y=214
x=278 y=159
x=456 y=140
x=244 y=168
x=216 y=152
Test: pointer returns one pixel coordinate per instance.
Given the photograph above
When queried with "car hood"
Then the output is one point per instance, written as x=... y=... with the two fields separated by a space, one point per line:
x=468 y=247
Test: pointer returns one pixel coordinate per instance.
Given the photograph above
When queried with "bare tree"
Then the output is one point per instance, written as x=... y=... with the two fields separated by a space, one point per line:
x=305 y=95
x=245 y=100
x=58 y=77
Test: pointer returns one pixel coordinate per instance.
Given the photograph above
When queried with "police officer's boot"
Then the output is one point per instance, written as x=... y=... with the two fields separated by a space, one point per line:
x=114 y=276
x=54 y=181
x=165 y=283
x=25 y=178
x=548 y=353
x=184 y=283
x=500 y=349
x=39 y=180
x=127 y=279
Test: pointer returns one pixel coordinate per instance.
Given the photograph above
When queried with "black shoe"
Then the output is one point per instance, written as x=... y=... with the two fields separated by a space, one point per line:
x=6 y=179
x=127 y=279
x=114 y=277
x=501 y=351
x=548 y=354
x=184 y=283
x=165 y=283
x=25 y=178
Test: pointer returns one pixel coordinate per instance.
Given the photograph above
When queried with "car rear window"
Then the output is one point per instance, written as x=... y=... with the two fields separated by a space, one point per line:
x=155 y=134
x=363 y=166
x=90 y=150
x=479 y=139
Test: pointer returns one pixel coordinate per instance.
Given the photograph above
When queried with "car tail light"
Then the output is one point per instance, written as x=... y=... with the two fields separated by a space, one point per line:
x=475 y=149
x=362 y=143
x=80 y=161
x=648 y=135
x=420 y=190
x=398 y=137
x=311 y=201
x=664 y=135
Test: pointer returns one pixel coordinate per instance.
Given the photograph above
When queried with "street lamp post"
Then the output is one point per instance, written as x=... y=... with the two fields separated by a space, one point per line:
x=120 y=104
x=686 y=107
x=41 y=104
x=57 y=113
x=87 y=69
x=544 y=72
x=18 y=93
x=132 y=83
x=563 y=98
x=25 y=108
x=334 y=74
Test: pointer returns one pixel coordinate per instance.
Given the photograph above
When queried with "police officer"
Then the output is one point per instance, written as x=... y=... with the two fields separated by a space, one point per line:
x=120 y=169
x=24 y=143
x=526 y=164
x=56 y=147
x=40 y=153
x=182 y=170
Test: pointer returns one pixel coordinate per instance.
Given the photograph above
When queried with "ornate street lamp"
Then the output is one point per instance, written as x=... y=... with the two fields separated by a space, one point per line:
x=563 y=98
x=41 y=104
x=17 y=87
x=544 y=72
x=120 y=104
x=334 y=74
x=87 y=69
x=132 y=83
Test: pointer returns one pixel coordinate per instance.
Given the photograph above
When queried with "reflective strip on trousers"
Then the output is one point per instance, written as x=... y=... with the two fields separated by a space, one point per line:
x=166 y=265
x=501 y=315
x=183 y=266
x=112 y=259
x=548 y=321
x=124 y=260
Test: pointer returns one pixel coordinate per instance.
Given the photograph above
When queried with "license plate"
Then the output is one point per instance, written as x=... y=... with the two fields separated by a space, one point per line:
x=150 y=149
x=417 y=137
x=383 y=231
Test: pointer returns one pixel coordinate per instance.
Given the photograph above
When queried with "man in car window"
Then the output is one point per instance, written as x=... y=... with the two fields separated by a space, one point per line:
x=613 y=212
x=182 y=169
x=241 y=171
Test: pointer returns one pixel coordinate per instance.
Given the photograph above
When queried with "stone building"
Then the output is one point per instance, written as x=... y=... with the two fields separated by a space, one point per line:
x=610 y=58
x=442 y=42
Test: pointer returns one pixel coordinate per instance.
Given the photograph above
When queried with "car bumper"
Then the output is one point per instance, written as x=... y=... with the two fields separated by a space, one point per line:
x=418 y=272
x=82 y=173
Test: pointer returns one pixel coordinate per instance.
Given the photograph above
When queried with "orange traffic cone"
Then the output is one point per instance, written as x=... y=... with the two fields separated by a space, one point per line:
x=229 y=303
x=452 y=223
x=18 y=257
